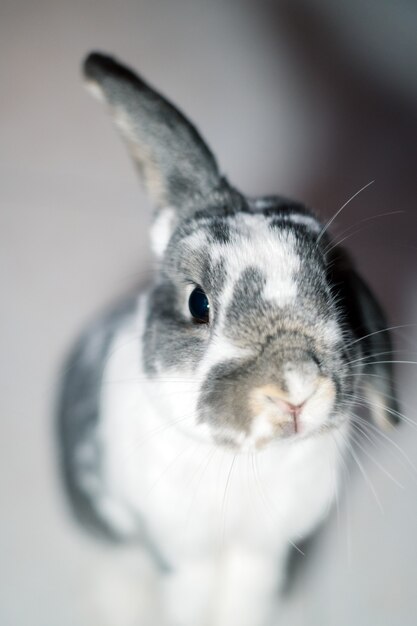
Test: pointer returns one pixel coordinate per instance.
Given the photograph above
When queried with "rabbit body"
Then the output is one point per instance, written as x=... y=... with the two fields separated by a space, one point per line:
x=204 y=513
x=205 y=420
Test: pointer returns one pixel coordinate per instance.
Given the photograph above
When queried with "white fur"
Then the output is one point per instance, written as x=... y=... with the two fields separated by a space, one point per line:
x=331 y=333
x=162 y=229
x=262 y=428
x=207 y=510
x=301 y=381
x=221 y=349
x=95 y=90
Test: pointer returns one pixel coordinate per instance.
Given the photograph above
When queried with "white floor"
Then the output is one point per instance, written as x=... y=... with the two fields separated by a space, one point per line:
x=73 y=236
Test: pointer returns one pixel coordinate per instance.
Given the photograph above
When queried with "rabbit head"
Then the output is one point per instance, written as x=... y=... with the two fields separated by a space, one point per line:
x=262 y=331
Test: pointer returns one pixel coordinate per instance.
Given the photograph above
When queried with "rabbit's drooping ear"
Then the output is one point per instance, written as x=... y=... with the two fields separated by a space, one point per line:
x=176 y=166
x=369 y=324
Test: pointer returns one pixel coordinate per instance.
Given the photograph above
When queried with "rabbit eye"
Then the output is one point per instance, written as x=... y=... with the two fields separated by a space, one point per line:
x=199 y=305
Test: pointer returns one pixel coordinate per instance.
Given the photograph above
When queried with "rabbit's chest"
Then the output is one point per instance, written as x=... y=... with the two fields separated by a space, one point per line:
x=197 y=499
x=194 y=497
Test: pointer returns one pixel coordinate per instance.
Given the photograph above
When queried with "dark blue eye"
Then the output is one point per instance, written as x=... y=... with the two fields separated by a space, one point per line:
x=199 y=305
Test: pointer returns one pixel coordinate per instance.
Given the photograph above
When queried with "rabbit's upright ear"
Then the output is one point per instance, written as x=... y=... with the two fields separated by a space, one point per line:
x=175 y=164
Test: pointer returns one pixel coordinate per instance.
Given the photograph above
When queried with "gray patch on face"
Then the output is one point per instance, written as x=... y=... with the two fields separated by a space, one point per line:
x=251 y=282
x=170 y=341
x=218 y=230
x=215 y=275
x=222 y=402
x=243 y=309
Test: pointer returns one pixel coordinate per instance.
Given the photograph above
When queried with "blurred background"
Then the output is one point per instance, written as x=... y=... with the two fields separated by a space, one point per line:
x=310 y=98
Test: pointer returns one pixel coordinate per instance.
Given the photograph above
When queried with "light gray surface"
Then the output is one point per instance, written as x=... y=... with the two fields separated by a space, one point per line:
x=287 y=107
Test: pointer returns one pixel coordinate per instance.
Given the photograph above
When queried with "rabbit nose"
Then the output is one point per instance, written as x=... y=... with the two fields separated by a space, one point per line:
x=281 y=405
x=288 y=414
x=285 y=408
x=272 y=399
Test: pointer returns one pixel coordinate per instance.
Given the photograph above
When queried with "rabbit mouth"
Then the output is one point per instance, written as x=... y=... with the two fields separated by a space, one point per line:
x=286 y=433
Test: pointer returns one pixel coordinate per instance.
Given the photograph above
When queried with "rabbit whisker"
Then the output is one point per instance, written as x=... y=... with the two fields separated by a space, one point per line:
x=328 y=224
x=356 y=440
x=265 y=500
x=366 y=403
x=369 y=429
x=405 y=362
x=368 y=358
x=335 y=244
x=368 y=481
x=345 y=472
x=168 y=467
x=224 y=501
x=203 y=467
x=382 y=330
x=161 y=429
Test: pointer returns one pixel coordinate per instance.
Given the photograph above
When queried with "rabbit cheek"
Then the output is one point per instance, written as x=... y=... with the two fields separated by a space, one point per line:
x=170 y=343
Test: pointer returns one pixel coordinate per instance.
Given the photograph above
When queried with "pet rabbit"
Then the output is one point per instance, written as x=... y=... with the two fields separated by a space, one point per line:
x=238 y=370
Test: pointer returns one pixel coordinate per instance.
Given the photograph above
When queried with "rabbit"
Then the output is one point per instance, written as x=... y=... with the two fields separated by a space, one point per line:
x=219 y=445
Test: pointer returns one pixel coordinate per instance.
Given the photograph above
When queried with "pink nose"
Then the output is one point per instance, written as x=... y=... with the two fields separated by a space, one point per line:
x=271 y=402
x=288 y=410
